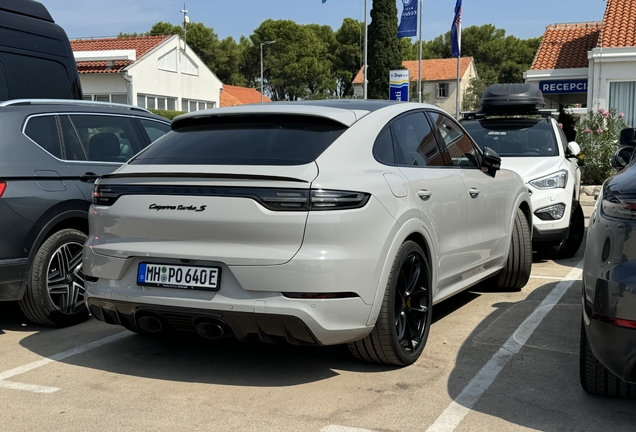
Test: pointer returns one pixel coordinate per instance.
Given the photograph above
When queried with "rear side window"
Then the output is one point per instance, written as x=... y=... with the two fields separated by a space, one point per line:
x=32 y=77
x=99 y=138
x=244 y=140
x=43 y=130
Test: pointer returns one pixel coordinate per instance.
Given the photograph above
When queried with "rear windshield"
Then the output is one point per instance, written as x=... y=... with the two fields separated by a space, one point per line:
x=514 y=137
x=243 y=140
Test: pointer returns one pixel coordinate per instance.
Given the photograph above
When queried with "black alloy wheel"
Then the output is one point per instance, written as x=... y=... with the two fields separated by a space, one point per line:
x=403 y=324
x=411 y=304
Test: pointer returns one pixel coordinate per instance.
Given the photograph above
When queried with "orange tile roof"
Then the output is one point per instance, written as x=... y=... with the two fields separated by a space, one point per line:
x=235 y=95
x=432 y=70
x=141 y=45
x=565 y=46
x=619 y=24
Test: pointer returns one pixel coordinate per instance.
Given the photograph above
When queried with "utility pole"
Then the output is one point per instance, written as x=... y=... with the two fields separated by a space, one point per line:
x=262 y=78
x=186 y=20
x=366 y=44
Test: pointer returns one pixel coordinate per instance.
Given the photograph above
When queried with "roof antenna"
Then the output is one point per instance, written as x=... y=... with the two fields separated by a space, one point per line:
x=186 y=21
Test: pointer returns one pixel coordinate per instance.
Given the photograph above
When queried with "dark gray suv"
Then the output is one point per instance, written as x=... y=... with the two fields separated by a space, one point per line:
x=50 y=154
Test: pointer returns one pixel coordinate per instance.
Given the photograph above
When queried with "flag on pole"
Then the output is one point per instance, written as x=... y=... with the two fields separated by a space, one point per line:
x=456 y=31
x=408 y=23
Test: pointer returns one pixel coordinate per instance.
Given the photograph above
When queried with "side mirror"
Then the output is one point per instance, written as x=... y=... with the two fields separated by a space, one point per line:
x=628 y=137
x=491 y=162
x=574 y=149
x=621 y=158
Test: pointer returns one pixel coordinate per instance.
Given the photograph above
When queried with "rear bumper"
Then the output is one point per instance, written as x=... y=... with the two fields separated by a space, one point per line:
x=614 y=347
x=243 y=325
x=11 y=273
x=250 y=314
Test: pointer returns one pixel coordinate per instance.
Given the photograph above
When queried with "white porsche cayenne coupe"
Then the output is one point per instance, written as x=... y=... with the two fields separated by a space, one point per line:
x=321 y=223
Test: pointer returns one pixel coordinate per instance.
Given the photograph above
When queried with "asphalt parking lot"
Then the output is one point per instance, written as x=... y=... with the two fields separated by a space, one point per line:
x=495 y=361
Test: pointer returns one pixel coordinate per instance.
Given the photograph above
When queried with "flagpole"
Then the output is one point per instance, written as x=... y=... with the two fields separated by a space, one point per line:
x=419 y=64
x=366 y=40
x=458 y=85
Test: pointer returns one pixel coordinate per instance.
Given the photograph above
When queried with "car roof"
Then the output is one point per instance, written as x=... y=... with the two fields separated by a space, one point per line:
x=29 y=107
x=344 y=111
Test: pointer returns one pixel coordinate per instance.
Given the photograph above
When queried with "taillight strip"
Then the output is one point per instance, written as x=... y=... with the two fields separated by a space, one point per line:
x=619 y=322
x=270 y=198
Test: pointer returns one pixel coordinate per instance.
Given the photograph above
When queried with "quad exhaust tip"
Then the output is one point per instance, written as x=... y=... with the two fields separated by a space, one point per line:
x=149 y=324
x=210 y=330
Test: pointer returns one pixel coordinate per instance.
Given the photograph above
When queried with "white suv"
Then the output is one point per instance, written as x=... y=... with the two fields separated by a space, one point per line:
x=321 y=222
x=531 y=143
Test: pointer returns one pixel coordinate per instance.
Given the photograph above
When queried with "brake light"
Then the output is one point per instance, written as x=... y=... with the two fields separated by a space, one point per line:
x=3 y=187
x=619 y=322
x=105 y=196
x=619 y=207
x=314 y=199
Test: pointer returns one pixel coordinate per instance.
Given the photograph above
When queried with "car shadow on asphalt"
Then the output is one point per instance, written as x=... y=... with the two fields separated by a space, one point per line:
x=190 y=358
x=539 y=388
x=12 y=319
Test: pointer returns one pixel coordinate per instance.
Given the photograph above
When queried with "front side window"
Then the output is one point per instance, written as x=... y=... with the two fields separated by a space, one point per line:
x=244 y=140
x=415 y=142
x=510 y=137
x=458 y=145
x=43 y=130
x=102 y=138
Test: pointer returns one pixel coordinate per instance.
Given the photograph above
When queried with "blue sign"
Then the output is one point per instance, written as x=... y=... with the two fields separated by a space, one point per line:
x=399 y=85
x=563 y=86
x=408 y=23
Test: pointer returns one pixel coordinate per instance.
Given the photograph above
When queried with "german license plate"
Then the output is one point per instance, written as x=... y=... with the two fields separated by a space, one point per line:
x=177 y=276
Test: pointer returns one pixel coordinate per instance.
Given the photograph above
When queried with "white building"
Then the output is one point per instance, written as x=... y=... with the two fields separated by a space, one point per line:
x=592 y=65
x=159 y=72
x=439 y=81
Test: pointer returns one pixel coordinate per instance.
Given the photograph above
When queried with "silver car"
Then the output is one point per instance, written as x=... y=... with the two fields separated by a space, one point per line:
x=309 y=223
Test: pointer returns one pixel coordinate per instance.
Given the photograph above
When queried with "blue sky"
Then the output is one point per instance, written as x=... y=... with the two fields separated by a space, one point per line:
x=524 y=19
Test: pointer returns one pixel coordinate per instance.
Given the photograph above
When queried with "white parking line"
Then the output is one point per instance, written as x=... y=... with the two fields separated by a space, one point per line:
x=457 y=410
x=336 y=428
x=547 y=277
x=56 y=357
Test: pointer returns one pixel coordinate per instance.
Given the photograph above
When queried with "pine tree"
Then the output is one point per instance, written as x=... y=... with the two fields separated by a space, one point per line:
x=384 y=47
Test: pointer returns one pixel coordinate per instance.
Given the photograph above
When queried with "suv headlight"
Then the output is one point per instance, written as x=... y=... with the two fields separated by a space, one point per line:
x=552 y=181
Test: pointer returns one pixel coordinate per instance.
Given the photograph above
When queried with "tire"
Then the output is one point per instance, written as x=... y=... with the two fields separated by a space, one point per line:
x=401 y=331
x=596 y=379
x=571 y=245
x=516 y=273
x=55 y=282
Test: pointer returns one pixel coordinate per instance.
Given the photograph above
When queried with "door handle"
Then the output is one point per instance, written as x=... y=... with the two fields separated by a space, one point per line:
x=89 y=177
x=474 y=192
x=424 y=194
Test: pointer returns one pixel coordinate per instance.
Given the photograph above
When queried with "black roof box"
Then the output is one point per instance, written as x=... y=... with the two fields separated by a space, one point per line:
x=512 y=99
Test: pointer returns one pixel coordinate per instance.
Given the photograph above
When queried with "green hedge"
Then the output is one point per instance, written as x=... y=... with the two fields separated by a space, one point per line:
x=169 y=114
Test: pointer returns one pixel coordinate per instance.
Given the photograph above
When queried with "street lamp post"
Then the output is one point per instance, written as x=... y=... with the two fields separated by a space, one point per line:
x=263 y=43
